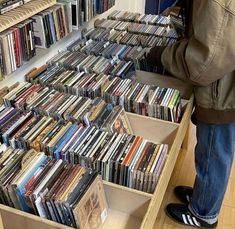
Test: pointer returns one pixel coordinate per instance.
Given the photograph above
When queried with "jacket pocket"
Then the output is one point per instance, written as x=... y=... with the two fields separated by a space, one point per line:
x=215 y=89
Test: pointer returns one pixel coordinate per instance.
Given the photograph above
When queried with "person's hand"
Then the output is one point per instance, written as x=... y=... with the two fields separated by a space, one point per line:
x=153 y=57
x=151 y=60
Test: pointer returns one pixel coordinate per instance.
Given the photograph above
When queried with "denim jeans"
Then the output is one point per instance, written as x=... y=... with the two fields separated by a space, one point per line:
x=213 y=160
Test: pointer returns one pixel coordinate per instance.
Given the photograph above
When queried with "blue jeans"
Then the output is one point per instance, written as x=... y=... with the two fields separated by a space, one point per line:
x=213 y=160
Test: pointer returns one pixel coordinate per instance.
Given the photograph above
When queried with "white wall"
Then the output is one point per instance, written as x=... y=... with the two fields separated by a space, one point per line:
x=44 y=55
x=138 y=6
x=131 y=5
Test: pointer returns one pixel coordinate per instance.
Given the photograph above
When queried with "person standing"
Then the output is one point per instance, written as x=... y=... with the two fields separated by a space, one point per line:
x=205 y=57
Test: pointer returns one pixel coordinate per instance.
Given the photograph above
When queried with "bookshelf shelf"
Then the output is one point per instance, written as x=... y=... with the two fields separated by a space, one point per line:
x=23 y=12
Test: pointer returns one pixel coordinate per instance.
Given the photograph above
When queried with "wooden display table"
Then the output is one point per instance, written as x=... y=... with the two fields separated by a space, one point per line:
x=130 y=208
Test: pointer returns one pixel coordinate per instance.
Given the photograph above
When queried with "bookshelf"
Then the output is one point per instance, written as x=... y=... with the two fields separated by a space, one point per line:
x=23 y=12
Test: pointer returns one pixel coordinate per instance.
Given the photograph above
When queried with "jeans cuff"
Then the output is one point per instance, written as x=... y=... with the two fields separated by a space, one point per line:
x=209 y=219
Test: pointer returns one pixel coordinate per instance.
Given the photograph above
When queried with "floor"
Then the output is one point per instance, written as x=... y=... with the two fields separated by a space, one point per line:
x=184 y=174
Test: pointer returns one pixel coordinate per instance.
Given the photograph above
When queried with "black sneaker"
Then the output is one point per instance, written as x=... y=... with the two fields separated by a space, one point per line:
x=184 y=193
x=181 y=214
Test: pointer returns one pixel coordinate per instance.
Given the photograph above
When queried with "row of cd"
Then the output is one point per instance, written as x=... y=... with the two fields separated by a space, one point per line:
x=137 y=28
x=153 y=101
x=140 y=18
x=93 y=64
x=107 y=49
x=125 y=37
x=121 y=158
x=115 y=52
x=55 y=190
x=49 y=102
x=106 y=57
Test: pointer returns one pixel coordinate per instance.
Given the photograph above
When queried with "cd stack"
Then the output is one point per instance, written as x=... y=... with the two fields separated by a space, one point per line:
x=26 y=130
x=4 y=91
x=124 y=37
x=92 y=64
x=157 y=25
x=153 y=101
x=56 y=190
x=123 y=52
x=177 y=23
x=119 y=157
x=43 y=101
x=107 y=49
x=124 y=16
x=114 y=48
x=140 y=18
x=137 y=28
x=156 y=102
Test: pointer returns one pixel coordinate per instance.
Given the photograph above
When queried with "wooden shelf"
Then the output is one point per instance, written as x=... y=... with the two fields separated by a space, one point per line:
x=129 y=208
x=23 y=12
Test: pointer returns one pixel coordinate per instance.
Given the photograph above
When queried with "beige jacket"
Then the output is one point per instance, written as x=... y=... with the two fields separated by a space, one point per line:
x=207 y=60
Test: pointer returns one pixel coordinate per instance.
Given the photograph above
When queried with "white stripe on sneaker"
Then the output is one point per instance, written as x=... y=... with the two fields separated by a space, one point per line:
x=196 y=222
x=187 y=198
x=190 y=220
x=184 y=219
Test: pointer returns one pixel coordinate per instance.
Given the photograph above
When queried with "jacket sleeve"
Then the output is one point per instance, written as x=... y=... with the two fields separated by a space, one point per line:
x=210 y=52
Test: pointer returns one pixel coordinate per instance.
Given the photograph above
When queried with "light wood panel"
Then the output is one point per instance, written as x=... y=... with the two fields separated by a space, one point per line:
x=12 y=217
x=154 y=130
x=126 y=200
x=227 y=218
x=229 y=199
x=117 y=220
